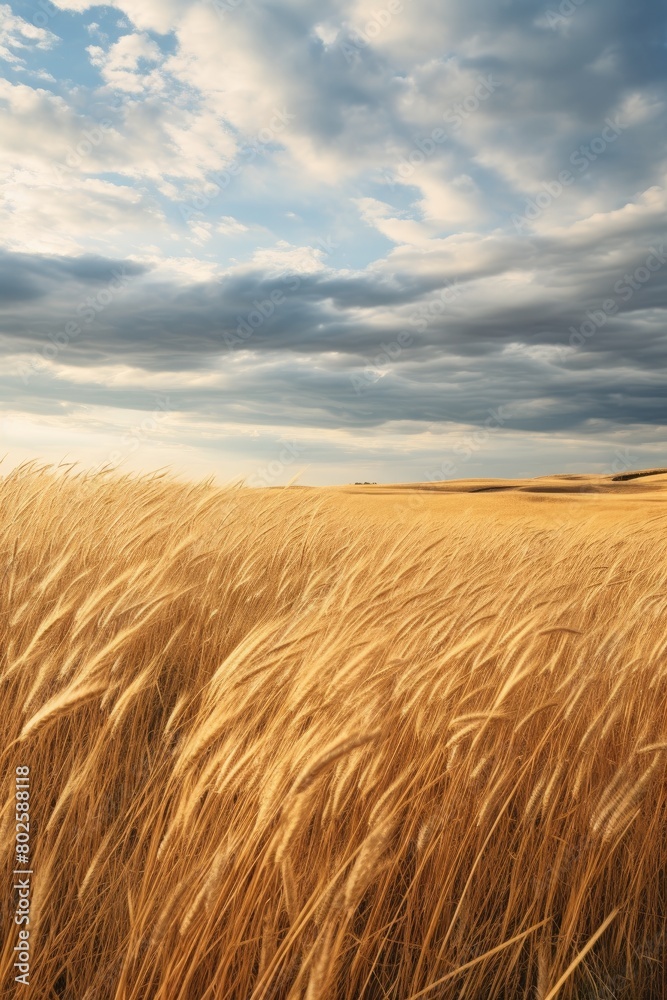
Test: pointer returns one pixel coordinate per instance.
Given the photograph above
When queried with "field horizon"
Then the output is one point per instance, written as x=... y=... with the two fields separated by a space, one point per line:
x=352 y=743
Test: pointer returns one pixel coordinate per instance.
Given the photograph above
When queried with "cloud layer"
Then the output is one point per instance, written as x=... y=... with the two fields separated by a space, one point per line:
x=376 y=230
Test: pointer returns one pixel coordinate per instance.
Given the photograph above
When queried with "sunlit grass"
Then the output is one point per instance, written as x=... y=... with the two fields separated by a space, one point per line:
x=279 y=749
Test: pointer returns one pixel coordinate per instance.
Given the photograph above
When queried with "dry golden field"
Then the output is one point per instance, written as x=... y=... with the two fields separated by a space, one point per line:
x=365 y=743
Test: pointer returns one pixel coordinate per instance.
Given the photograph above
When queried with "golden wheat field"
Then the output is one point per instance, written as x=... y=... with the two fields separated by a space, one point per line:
x=364 y=743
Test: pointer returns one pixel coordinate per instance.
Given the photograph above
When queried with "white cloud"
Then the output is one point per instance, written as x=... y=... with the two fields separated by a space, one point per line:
x=229 y=226
x=50 y=156
x=285 y=257
x=77 y=215
x=120 y=64
x=327 y=33
x=18 y=34
x=42 y=74
x=443 y=206
x=645 y=211
x=37 y=127
x=155 y=15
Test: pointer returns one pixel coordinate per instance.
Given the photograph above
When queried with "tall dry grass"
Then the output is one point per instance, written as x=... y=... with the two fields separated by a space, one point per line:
x=280 y=752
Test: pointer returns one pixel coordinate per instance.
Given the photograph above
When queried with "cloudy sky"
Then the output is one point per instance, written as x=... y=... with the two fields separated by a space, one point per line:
x=372 y=240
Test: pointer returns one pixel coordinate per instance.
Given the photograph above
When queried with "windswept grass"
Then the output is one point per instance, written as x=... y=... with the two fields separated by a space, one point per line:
x=285 y=746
